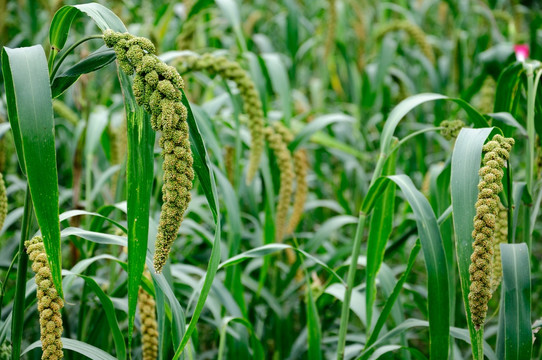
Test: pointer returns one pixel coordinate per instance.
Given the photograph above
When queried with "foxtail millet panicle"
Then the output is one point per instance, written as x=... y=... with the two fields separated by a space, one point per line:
x=496 y=152
x=451 y=128
x=149 y=325
x=49 y=302
x=285 y=165
x=301 y=166
x=157 y=87
x=252 y=104
x=330 y=27
x=487 y=95
x=415 y=33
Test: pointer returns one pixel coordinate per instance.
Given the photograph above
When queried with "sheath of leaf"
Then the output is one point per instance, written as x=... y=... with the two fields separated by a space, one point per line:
x=500 y=237
x=301 y=166
x=252 y=105
x=330 y=27
x=415 y=33
x=496 y=152
x=284 y=162
x=49 y=303
x=157 y=88
x=149 y=326
x=487 y=95
x=451 y=128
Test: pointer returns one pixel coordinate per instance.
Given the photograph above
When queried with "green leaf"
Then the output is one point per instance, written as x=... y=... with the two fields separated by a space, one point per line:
x=280 y=82
x=393 y=297
x=271 y=249
x=316 y=125
x=139 y=178
x=434 y=255
x=314 y=331
x=109 y=309
x=381 y=225
x=95 y=61
x=436 y=265
x=63 y=18
x=466 y=159
x=198 y=6
x=257 y=346
x=205 y=175
x=411 y=323
x=508 y=86
x=30 y=110
x=231 y=11
x=77 y=346
x=518 y=336
x=410 y=103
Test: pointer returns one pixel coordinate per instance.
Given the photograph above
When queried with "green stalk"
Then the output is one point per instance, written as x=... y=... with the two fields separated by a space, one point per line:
x=530 y=125
x=532 y=85
x=345 y=311
x=17 y=319
x=4 y=284
x=67 y=52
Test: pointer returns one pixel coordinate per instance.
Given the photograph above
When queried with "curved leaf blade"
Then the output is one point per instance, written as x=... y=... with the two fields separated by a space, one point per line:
x=31 y=117
x=466 y=159
x=517 y=301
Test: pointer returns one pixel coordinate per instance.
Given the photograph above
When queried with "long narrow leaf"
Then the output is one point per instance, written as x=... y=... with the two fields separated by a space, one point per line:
x=205 y=175
x=466 y=160
x=517 y=301
x=30 y=109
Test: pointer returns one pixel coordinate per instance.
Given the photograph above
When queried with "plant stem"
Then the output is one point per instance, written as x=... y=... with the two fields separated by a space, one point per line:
x=17 y=319
x=345 y=311
x=68 y=51
x=530 y=125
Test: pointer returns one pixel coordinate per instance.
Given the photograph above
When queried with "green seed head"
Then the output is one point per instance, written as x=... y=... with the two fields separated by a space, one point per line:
x=414 y=32
x=49 y=303
x=157 y=88
x=488 y=225
x=149 y=326
x=252 y=105
x=451 y=128
x=285 y=165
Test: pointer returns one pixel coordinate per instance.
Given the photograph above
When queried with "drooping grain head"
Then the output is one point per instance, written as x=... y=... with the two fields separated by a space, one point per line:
x=451 y=128
x=330 y=27
x=414 y=32
x=487 y=95
x=496 y=152
x=49 y=303
x=285 y=165
x=252 y=105
x=157 y=87
x=301 y=165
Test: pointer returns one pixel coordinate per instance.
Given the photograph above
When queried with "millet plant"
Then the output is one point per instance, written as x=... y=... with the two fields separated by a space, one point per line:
x=327 y=179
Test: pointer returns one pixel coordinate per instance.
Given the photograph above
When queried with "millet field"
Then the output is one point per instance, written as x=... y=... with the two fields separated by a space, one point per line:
x=270 y=179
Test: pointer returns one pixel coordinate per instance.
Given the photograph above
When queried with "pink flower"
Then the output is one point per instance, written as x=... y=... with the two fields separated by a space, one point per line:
x=522 y=52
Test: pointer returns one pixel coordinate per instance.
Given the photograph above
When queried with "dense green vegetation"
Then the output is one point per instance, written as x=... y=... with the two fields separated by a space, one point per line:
x=330 y=179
